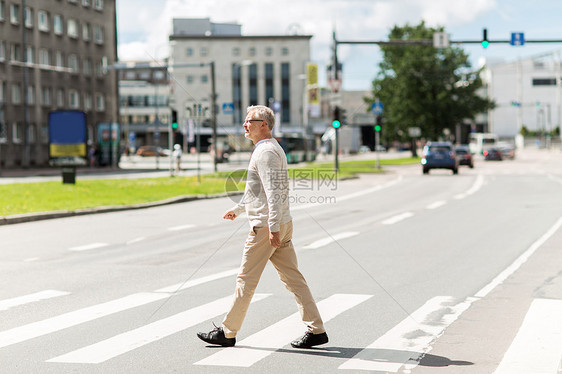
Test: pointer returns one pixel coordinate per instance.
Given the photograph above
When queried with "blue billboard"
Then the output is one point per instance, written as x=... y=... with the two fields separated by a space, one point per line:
x=67 y=134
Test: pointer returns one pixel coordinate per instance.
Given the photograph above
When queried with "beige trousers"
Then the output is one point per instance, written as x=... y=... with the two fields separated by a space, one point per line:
x=257 y=252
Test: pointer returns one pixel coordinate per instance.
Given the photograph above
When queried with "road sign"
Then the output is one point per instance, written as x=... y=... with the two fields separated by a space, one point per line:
x=440 y=40
x=377 y=108
x=517 y=38
x=228 y=108
x=414 y=132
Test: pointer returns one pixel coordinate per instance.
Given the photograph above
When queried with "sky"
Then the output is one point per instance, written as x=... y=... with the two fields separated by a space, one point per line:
x=144 y=25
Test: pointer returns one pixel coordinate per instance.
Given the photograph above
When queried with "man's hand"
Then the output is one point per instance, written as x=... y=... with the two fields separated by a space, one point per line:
x=275 y=239
x=229 y=215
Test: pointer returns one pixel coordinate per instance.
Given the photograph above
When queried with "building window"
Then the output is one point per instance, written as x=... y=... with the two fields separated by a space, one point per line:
x=87 y=101
x=60 y=97
x=73 y=99
x=87 y=66
x=15 y=52
x=268 y=51
x=189 y=79
x=86 y=31
x=204 y=78
x=2 y=5
x=46 y=96
x=130 y=75
x=86 y=3
x=98 y=4
x=99 y=69
x=100 y=102
x=189 y=51
x=253 y=83
x=57 y=24
x=2 y=51
x=44 y=134
x=285 y=51
x=44 y=57
x=28 y=17
x=237 y=92
x=30 y=95
x=32 y=133
x=252 y=51
x=285 y=93
x=236 y=51
x=16 y=132
x=59 y=59
x=2 y=93
x=3 y=129
x=204 y=51
x=43 y=20
x=29 y=56
x=73 y=1
x=15 y=14
x=16 y=94
x=544 y=81
x=98 y=34
x=269 y=80
x=73 y=64
x=72 y=28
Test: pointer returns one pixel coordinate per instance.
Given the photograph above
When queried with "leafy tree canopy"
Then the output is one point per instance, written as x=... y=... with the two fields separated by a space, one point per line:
x=422 y=86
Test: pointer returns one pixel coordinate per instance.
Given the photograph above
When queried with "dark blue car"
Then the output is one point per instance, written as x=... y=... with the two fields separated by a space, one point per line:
x=439 y=155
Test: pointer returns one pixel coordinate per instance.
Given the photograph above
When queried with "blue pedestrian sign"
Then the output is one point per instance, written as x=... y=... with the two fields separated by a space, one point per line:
x=377 y=108
x=228 y=108
x=517 y=38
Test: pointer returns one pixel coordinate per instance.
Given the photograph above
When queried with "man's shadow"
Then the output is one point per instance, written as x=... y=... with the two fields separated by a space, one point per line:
x=369 y=354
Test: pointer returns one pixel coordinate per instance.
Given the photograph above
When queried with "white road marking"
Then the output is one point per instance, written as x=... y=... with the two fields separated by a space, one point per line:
x=31 y=259
x=182 y=227
x=519 y=261
x=31 y=298
x=123 y=343
x=262 y=344
x=538 y=343
x=136 y=240
x=436 y=204
x=63 y=321
x=194 y=282
x=328 y=240
x=475 y=187
x=405 y=343
x=88 y=247
x=397 y=218
x=352 y=195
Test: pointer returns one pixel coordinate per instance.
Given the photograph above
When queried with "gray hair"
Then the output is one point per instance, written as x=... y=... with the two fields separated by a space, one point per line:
x=264 y=113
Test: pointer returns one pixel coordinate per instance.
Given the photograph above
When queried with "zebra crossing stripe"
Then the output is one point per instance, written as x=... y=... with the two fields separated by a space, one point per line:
x=265 y=342
x=410 y=339
x=63 y=321
x=538 y=343
x=31 y=298
x=123 y=343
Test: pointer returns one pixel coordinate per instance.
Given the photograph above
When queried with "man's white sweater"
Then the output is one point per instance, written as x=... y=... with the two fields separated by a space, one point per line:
x=266 y=196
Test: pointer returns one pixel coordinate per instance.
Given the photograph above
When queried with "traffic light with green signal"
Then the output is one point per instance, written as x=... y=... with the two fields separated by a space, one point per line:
x=378 y=124
x=336 y=122
x=174 y=120
x=485 y=41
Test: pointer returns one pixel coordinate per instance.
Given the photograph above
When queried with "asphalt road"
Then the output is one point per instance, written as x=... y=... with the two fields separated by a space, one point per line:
x=413 y=274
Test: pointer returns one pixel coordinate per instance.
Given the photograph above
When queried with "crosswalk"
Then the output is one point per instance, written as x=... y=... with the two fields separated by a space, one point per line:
x=399 y=350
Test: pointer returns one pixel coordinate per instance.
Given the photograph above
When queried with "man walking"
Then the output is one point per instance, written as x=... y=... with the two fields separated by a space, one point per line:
x=266 y=202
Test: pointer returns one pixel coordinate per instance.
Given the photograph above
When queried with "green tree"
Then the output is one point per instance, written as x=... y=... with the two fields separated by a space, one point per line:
x=421 y=86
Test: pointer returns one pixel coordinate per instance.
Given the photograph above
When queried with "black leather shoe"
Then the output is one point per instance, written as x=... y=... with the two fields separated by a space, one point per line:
x=309 y=340
x=216 y=337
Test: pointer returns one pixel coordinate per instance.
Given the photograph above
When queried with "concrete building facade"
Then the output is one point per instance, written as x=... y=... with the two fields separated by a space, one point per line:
x=249 y=70
x=52 y=57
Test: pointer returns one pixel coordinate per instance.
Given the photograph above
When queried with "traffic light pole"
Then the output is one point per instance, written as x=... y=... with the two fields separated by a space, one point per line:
x=336 y=165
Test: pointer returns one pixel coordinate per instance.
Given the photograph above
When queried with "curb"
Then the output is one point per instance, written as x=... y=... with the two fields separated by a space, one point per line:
x=39 y=216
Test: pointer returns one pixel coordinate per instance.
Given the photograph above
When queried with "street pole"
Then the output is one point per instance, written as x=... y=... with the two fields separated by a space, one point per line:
x=377 y=142
x=337 y=165
x=26 y=150
x=214 y=113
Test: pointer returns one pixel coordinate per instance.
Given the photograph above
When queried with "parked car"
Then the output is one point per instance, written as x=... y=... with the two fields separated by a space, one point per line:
x=464 y=156
x=439 y=155
x=151 y=150
x=507 y=151
x=493 y=154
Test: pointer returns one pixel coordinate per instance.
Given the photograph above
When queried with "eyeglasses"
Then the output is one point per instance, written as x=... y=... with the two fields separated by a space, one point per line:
x=253 y=120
